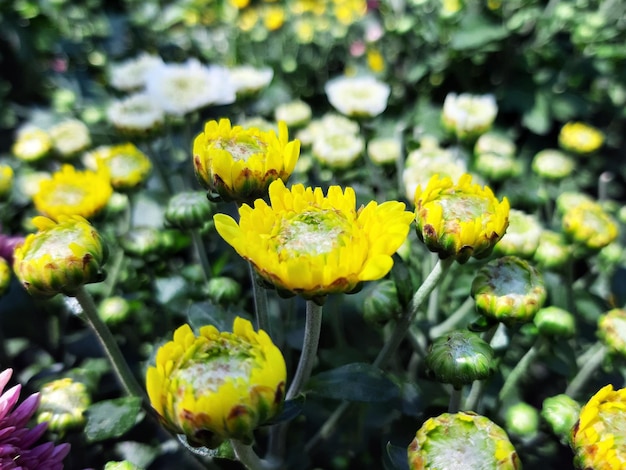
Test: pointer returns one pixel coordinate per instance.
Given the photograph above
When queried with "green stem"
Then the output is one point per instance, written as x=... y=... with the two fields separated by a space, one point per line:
x=587 y=370
x=112 y=351
x=260 y=302
x=478 y=387
x=246 y=455
x=453 y=320
x=403 y=324
x=454 y=405
x=202 y=255
x=312 y=329
x=328 y=427
x=521 y=368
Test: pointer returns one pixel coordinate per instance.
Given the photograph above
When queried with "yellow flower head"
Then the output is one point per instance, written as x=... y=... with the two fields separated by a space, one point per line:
x=73 y=192
x=6 y=181
x=32 y=144
x=63 y=405
x=589 y=226
x=60 y=257
x=599 y=437
x=580 y=138
x=459 y=220
x=310 y=244
x=126 y=165
x=239 y=164
x=217 y=385
x=612 y=331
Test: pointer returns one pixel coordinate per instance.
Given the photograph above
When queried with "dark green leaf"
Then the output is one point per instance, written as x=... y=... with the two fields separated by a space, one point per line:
x=475 y=32
x=538 y=118
x=291 y=409
x=354 y=382
x=112 y=418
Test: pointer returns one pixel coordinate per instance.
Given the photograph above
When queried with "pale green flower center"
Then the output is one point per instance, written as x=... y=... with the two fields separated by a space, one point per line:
x=242 y=148
x=462 y=207
x=311 y=233
x=66 y=195
x=55 y=242
x=510 y=279
x=594 y=221
x=123 y=165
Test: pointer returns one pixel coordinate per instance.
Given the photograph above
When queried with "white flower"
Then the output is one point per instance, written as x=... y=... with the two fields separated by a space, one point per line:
x=70 y=137
x=131 y=74
x=358 y=96
x=183 y=88
x=295 y=113
x=384 y=150
x=329 y=124
x=136 y=113
x=469 y=115
x=249 y=80
x=338 y=150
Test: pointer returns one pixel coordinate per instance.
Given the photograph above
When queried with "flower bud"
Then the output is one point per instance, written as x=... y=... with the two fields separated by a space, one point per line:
x=590 y=227
x=384 y=150
x=223 y=290
x=612 y=330
x=189 y=210
x=597 y=439
x=459 y=358
x=461 y=440
x=495 y=144
x=32 y=144
x=497 y=168
x=580 y=138
x=381 y=304
x=468 y=116
x=552 y=164
x=121 y=465
x=508 y=290
x=521 y=237
x=553 y=251
x=63 y=405
x=114 y=310
x=555 y=322
x=522 y=420
x=127 y=166
x=69 y=138
x=295 y=113
x=141 y=242
x=217 y=385
x=5 y=275
x=60 y=257
x=561 y=413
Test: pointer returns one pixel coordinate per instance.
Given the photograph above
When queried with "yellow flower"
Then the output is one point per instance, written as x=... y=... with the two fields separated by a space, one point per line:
x=239 y=164
x=6 y=181
x=598 y=439
x=63 y=405
x=310 y=244
x=32 y=144
x=217 y=385
x=60 y=257
x=273 y=17
x=5 y=275
x=580 y=138
x=375 y=61
x=73 y=192
x=459 y=220
x=126 y=165
x=589 y=226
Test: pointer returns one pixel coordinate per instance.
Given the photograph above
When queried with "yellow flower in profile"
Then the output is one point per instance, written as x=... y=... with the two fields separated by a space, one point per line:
x=32 y=144
x=589 y=226
x=459 y=220
x=60 y=257
x=273 y=17
x=598 y=439
x=73 y=192
x=310 y=244
x=127 y=166
x=239 y=164
x=217 y=385
x=580 y=138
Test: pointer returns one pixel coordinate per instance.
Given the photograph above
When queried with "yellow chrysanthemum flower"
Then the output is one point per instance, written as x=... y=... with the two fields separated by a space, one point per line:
x=73 y=192
x=60 y=257
x=127 y=166
x=310 y=244
x=239 y=164
x=32 y=144
x=599 y=437
x=580 y=138
x=589 y=226
x=459 y=220
x=63 y=405
x=217 y=385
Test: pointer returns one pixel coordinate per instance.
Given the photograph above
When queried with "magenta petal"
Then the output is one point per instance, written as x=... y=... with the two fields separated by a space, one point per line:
x=60 y=452
x=23 y=413
x=8 y=400
x=5 y=376
x=33 y=435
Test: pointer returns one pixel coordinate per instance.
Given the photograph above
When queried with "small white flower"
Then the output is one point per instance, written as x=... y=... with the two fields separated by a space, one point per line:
x=329 y=124
x=70 y=137
x=495 y=143
x=295 y=113
x=249 y=80
x=552 y=164
x=384 y=150
x=338 y=150
x=358 y=96
x=131 y=74
x=136 y=113
x=183 y=88
x=469 y=115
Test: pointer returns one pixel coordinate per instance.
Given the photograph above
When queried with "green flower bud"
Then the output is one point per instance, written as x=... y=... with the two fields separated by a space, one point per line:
x=554 y=321
x=114 y=310
x=295 y=113
x=495 y=144
x=223 y=290
x=553 y=250
x=60 y=257
x=172 y=241
x=142 y=242
x=569 y=199
x=5 y=275
x=63 y=405
x=462 y=440
x=552 y=164
x=382 y=303
x=384 y=150
x=612 y=330
x=459 y=358
x=590 y=227
x=189 y=210
x=522 y=420
x=121 y=465
x=495 y=167
x=508 y=290
x=521 y=237
x=561 y=413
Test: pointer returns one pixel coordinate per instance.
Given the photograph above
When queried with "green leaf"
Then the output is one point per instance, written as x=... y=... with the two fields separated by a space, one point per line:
x=538 y=118
x=354 y=382
x=112 y=418
x=291 y=409
x=474 y=32
x=396 y=457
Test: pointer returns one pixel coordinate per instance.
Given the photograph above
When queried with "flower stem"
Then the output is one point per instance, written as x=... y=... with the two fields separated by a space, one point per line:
x=202 y=255
x=312 y=330
x=454 y=319
x=454 y=405
x=246 y=455
x=587 y=370
x=104 y=335
x=402 y=326
x=260 y=303
x=478 y=387
x=521 y=368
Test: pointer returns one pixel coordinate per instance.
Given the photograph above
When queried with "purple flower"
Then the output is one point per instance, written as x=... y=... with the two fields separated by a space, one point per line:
x=16 y=440
x=8 y=244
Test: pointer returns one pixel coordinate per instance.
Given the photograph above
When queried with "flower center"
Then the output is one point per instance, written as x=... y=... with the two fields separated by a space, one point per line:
x=66 y=195
x=123 y=165
x=510 y=279
x=56 y=243
x=311 y=233
x=242 y=148
x=461 y=208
